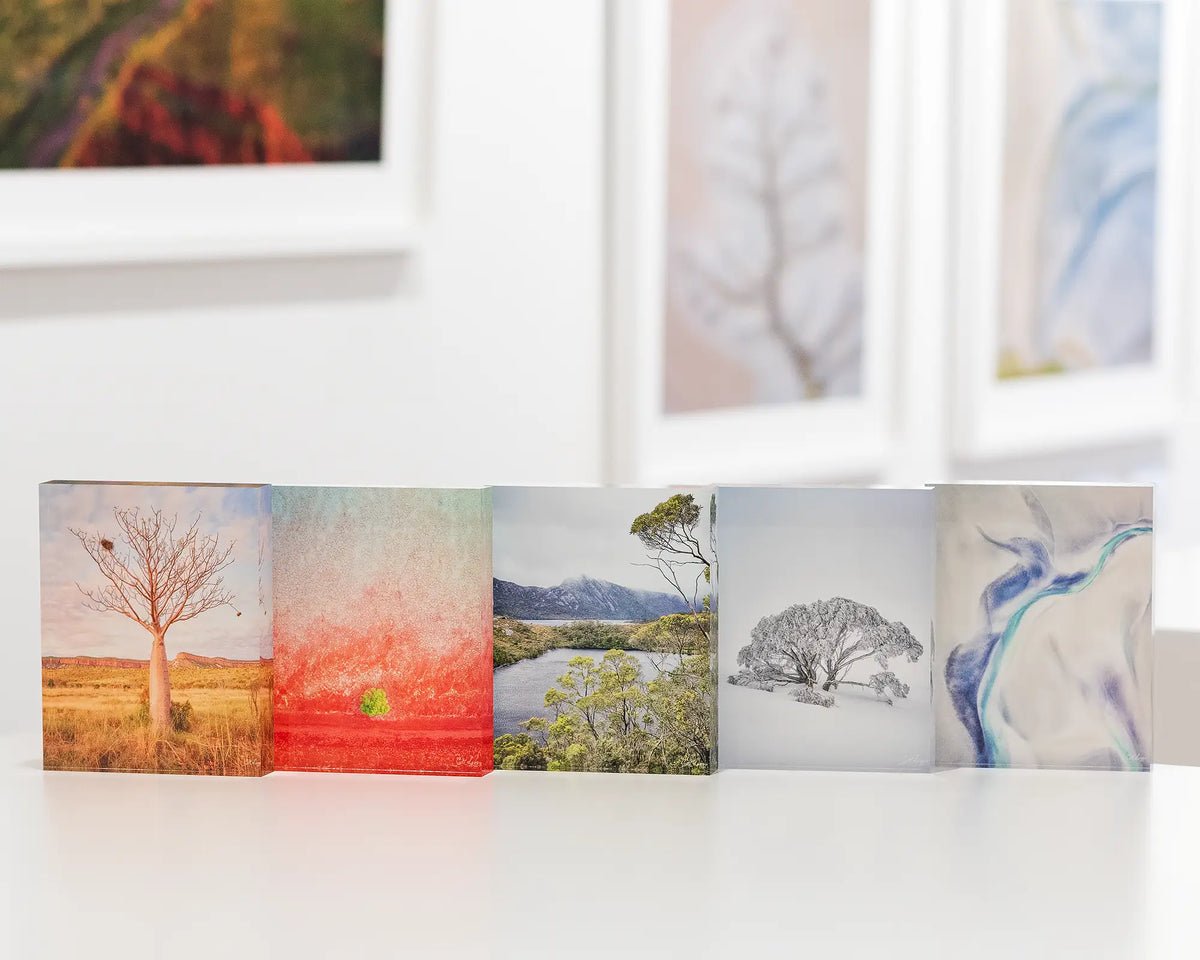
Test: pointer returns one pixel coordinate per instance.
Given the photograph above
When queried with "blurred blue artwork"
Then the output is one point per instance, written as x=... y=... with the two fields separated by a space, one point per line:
x=1093 y=290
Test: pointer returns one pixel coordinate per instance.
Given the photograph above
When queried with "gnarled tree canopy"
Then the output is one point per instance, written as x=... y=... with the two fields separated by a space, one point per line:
x=811 y=644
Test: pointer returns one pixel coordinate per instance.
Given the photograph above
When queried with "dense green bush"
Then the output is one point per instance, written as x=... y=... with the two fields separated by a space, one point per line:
x=609 y=717
x=520 y=752
x=374 y=703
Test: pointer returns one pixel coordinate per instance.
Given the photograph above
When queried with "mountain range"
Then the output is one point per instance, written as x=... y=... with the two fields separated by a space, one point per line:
x=182 y=659
x=581 y=598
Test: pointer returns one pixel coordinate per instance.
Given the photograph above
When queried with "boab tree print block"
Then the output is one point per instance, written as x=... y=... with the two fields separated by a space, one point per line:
x=156 y=627
x=603 y=635
x=826 y=613
x=383 y=638
x=1044 y=616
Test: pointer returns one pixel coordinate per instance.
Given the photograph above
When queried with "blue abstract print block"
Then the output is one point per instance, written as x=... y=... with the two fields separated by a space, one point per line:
x=1042 y=654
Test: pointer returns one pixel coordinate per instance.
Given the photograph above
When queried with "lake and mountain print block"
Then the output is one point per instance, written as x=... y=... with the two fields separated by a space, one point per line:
x=602 y=630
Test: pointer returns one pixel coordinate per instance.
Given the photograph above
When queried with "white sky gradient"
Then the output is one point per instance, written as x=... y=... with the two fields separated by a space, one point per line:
x=545 y=535
x=238 y=514
x=361 y=557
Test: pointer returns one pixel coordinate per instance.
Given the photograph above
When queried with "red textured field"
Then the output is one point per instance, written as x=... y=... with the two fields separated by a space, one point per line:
x=440 y=702
x=314 y=741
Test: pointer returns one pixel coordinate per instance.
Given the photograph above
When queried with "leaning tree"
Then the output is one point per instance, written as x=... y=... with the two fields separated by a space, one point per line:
x=157 y=578
x=672 y=534
x=817 y=644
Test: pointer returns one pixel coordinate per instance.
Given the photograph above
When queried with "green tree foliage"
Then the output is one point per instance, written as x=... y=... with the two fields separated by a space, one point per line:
x=515 y=640
x=519 y=752
x=594 y=634
x=608 y=717
x=374 y=703
x=677 y=633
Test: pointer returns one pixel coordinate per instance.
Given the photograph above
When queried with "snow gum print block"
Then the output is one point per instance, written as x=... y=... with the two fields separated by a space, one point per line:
x=156 y=627
x=826 y=615
x=1044 y=612
x=382 y=636
x=602 y=638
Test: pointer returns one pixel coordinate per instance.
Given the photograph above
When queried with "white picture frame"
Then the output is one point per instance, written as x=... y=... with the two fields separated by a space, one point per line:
x=56 y=217
x=994 y=419
x=823 y=439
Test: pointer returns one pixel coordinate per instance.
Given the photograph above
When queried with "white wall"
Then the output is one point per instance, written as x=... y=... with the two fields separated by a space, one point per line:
x=476 y=360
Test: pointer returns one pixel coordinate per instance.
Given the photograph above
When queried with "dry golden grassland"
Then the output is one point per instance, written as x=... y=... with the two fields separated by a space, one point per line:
x=96 y=718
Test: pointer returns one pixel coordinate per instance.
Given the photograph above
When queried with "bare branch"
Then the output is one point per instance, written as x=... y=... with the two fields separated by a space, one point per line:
x=154 y=576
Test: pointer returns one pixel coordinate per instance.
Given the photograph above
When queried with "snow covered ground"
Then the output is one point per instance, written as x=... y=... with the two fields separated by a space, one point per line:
x=860 y=732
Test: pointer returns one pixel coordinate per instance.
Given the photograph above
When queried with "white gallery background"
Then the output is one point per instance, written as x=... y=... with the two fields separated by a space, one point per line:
x=478 y=358
x=475 y=360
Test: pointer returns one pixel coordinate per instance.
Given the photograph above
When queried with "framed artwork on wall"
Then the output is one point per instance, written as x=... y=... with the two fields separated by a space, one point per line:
x=753 y=243
x=1068 y=146
x=138 y=130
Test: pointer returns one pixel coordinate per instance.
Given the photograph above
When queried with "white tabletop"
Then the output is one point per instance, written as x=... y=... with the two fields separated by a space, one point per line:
x=968 y=864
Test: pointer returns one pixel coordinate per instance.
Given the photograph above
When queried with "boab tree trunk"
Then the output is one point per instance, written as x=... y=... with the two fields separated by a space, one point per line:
x=160 y=685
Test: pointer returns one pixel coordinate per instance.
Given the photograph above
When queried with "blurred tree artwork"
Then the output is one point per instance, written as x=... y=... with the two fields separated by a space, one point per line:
x=113 y=83
x=766 y=264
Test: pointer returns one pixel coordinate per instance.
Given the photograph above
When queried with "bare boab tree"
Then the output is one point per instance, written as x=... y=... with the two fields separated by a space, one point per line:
x=816 y=644
x=671 y=534
x=157 y=579
x=775 y=275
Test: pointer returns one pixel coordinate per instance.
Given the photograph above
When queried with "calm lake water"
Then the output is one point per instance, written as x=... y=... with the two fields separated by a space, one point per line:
x=519 y=690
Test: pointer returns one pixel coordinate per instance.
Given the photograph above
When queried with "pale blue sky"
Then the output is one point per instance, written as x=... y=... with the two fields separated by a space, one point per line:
x=238 y=514
x=544 y=535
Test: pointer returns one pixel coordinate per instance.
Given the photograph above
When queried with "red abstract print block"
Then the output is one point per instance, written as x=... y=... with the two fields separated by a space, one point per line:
x=383 y=630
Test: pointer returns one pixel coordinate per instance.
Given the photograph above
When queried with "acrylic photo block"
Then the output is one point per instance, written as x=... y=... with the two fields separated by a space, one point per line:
x=156 y=627
x=1044 y=651
x=602 y=632
x=826 y=615
x=383 y=630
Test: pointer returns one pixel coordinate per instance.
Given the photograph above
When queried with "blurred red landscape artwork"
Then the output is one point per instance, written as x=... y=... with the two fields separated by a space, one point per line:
x=136 y=83
x=383 y=659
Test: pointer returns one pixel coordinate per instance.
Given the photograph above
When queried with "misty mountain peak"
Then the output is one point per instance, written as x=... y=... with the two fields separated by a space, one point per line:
x=581 y=598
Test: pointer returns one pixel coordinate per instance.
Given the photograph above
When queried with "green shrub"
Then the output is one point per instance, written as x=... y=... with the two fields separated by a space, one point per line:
x=519 y=752
x=374 y=703
x=181 y=715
